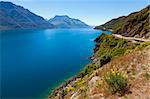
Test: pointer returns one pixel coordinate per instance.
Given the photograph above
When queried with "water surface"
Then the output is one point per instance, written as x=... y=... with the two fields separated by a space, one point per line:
x=35 y=61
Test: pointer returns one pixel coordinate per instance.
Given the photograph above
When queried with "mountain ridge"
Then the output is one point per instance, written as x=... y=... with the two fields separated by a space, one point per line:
x=64 y=21
x=14 y=16
x=137 y=24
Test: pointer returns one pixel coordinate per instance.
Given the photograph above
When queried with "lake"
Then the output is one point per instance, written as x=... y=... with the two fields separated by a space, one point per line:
x=33 y=62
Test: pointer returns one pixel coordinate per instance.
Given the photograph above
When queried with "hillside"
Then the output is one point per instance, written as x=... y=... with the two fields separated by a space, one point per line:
x=66 y=22
x=135 y=24
x=13 y=16
x=119 y=68
x=128 y=57
x=112 y=24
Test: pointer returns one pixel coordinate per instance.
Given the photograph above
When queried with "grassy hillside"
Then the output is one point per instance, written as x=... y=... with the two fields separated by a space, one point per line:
x=135 y=24
x=107 y=49
x=119 y=68
x=112 y=24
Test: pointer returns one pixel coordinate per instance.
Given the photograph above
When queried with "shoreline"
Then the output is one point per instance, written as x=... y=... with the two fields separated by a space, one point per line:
x=69 y=85
x=64 y=83
x=77 y=76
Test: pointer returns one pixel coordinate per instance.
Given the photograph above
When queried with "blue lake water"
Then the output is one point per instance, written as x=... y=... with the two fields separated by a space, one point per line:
x=35 y=61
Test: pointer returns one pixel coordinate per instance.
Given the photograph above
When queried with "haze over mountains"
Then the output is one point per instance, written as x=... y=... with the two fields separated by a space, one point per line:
x=65 y=21
x=13 y=16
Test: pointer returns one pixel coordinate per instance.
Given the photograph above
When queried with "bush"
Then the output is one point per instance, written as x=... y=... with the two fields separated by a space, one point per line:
x=147 y=76
x=70 y=89
x=117 y=81
x=142 y=45
x=119 y=51
x=88 y=69
x=78 y=83
x=105 y=59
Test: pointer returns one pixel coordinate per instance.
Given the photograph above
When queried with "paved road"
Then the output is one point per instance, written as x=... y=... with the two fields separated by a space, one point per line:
x=132 y=38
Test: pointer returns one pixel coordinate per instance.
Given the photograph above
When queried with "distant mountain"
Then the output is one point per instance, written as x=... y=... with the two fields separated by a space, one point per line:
x=135 y=24
x=14 y=16
x=66 y=22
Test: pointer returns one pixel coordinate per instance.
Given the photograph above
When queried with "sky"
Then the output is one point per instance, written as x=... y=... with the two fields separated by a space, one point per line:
x=92 y=12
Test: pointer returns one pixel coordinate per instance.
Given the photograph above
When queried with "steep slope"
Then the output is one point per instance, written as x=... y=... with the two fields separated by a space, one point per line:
x=137 y=66
x=14 y=16
x=135 y=24
x=119 y=68
x=66 y=22
x=112 y=24
x=126 y=56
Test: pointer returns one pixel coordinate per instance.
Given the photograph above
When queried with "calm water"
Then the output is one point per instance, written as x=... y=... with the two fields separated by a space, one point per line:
x=35 y=61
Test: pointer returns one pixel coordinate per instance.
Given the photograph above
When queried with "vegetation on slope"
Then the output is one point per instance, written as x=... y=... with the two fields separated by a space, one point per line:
x=112 y=24
x=135 y=24
x=107 y=48
x=117 y=81
x=95 y=81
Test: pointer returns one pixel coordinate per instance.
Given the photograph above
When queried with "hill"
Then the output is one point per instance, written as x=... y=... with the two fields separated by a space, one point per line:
x=135 y=24
x=65 y=21
x=13 y=16
x=119 y=67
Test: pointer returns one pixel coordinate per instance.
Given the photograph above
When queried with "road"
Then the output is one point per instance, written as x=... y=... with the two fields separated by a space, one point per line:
x=132 y=38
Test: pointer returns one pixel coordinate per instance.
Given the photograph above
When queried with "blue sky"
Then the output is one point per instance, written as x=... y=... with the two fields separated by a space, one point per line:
x=92 y=12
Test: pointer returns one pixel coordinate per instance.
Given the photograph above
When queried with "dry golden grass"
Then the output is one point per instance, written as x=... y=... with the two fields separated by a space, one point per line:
x=136 y=64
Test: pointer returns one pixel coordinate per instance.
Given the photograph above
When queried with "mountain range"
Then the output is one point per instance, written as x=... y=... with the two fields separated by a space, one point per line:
x=14 y=16
x=65 y=21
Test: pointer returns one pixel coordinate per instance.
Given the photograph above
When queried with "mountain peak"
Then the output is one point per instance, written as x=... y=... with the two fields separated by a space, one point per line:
x=66 y=16
x=64 y=21
x=15 y=16
x=7 y=4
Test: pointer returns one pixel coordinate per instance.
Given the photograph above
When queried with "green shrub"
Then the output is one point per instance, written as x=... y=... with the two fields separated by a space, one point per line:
x=70 y=89
x=117 y=81
x=142 y=45
x=63 y=93
x=105 y=59
x=147 y=76
x=87 y=70
x=78 y=83
x=118 y=52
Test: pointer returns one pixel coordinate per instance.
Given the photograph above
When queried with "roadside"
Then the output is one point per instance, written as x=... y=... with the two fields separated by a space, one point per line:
x=132 y=38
